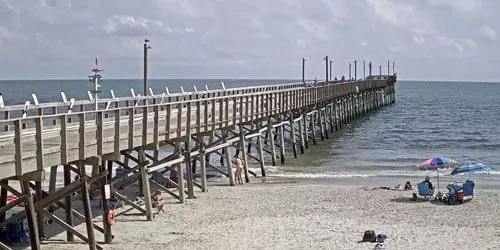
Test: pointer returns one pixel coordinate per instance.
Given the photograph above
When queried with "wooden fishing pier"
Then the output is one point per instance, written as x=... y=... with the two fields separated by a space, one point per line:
x=133 y=132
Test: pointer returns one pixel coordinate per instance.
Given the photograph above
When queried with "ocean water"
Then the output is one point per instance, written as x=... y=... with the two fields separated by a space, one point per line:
x=454 y=119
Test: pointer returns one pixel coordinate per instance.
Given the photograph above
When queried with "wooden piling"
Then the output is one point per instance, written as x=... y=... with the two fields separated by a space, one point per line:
x=108 y=237
x=87 y=208
x=203 y=165
x=69 y=203
x=243 y=153
x=146 y=190
x=282 y=142
x=292 y=134
x=31 y=216
x=271 y=141
x=227 y=155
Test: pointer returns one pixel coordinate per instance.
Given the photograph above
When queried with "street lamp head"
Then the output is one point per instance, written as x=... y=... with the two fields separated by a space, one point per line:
x=146 y=40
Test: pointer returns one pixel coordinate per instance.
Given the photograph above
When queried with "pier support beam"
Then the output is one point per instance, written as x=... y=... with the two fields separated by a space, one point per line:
x=31 y=216
x=292 y=134
x=243 y=153
x=146 y=190
x=69 y=203
x=203 y=164
x=227 y=155
x=108 y=237
x=282 y=142
x=271 y=141
x=87 y=208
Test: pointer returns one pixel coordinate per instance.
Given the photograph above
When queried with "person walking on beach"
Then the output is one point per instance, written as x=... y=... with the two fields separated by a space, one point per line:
x=239 y=169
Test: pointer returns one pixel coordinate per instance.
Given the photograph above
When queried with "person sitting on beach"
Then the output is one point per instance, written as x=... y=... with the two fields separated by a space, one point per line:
x=408 y=186
x=239 y=169
x=157 y=200
x=428 y=181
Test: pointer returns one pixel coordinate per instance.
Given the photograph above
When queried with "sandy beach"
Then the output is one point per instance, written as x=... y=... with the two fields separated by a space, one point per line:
x=306 y=214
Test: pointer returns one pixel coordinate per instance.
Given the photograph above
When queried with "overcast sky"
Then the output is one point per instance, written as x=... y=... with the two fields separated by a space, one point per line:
x=428 y=39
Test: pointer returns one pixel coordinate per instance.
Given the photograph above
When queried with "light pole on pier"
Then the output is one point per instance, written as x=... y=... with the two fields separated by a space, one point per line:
x=349 y=71
x=95 y=79
x=380 y=70
x=331 y=62
x=303 y=70
x=370 y=68
x=364 y=71
x=388 y=67
x=326 y=69
x=393 y=64
x=146 y=48
x=355 y=69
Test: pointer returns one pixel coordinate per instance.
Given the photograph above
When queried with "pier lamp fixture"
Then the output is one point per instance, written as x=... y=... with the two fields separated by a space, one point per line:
x=147 y=46
x=350 y=65
x=364 y=71
x=326 y=69
x=331 y=62
x=355 y=70
x=303 y=70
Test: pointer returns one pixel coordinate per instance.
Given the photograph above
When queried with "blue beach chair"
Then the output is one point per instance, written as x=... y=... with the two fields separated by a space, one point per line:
x=453 y=196
x=424 y=190
x=469 y=189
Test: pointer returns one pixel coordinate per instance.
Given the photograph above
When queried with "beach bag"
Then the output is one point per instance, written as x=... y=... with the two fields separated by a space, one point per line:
x=369 y=236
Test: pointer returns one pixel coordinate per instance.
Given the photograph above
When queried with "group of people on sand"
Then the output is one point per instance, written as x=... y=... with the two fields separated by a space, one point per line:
x=409 y=186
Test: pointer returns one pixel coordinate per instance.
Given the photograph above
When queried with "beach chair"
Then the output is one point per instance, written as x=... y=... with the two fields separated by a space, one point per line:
x=424 y=190
x=456 y=194
x=469 y=189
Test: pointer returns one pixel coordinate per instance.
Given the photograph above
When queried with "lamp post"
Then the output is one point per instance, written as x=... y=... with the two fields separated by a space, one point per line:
x=364 y=71
x=326 y=69
x=95 y=79
x=331 y=62
x=355 y=70
x=146 y=48
x=303 y=70
x=350 y=71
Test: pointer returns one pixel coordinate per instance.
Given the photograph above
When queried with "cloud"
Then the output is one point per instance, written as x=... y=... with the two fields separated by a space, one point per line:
x=488 y=32
x=245 y=38
x=131 y=26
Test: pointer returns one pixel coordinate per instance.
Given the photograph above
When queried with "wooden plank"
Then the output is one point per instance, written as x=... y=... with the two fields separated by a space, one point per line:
x=64 y=139
x=117 y=132
x=167 y=121
x=99 y=132
x=39 y=143
x=82 y=144
x=31 y=216
x=156 y=126
x=127 y=201
x=18 y=146
x=131 y=128
x=145 y=126
x=146 y=191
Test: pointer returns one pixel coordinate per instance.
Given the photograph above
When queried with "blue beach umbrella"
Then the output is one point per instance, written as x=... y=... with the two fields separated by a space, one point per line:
x=471 y=168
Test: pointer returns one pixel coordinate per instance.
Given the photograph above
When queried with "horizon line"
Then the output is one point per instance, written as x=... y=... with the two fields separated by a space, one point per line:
x=281 y=79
